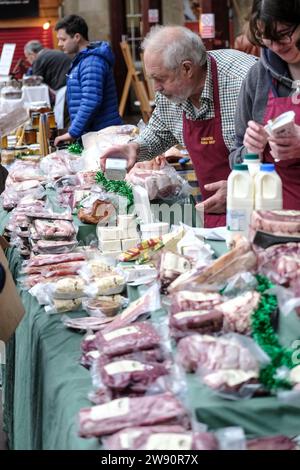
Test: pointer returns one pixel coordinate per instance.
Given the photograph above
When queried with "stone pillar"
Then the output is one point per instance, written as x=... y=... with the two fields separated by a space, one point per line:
x=95 y=13
x=172 y=11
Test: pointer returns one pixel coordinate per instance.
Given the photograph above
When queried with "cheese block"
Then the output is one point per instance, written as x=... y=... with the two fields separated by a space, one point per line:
x=129 y=243
x=112 y=254
x=108 y=233
x=110 y=245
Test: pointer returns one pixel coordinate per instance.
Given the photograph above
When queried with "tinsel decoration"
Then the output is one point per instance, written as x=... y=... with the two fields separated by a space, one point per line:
x=115 y=186
x=263 y=333
x=75 y=148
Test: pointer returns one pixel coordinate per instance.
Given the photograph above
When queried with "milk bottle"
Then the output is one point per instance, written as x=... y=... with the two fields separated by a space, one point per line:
x=268 y=188
x=240 y=197
x=252 y=160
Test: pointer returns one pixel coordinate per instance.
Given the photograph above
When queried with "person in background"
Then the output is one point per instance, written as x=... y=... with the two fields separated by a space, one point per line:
x=91 y=91
x=242 y=43
x=51 y=64
x=268 y=92
x=195 y=105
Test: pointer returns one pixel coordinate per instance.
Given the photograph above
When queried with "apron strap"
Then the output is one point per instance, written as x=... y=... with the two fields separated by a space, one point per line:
x=214 y=73
x=273 y=85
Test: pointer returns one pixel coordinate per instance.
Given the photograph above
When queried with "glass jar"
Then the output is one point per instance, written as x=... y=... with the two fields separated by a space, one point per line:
x=4 y=143
x=11 y=93
x=51 y=120
x=7 y=155
x=35 y=120
x=29 y=136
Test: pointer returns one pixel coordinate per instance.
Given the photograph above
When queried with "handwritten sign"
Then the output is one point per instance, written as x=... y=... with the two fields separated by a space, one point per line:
x=7 y=54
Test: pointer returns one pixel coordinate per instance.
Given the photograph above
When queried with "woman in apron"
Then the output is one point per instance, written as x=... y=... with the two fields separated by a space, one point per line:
x=269 y=90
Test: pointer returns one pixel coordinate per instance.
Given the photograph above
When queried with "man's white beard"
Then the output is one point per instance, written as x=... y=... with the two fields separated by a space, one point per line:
x=177 y=99
x=180 y=99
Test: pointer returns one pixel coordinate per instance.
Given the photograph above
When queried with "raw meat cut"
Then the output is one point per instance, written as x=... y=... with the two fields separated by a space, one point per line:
x=143 y=411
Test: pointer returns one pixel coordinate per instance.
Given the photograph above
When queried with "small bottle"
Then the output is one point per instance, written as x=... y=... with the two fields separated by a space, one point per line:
x=51 y=120
x=268 y=188
x=35 y=119
x=240 y=202
x=4 y=142
x=252 y=160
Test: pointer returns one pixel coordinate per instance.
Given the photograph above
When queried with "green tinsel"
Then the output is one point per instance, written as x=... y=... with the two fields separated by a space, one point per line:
x=264 y=335
x=75 y=148
x=114 y=186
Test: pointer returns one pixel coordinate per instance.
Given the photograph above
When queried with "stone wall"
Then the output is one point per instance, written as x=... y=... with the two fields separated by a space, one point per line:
x=95 y=13
x=172 y=11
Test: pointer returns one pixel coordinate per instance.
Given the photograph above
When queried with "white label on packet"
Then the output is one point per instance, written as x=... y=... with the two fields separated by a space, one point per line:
x=198 y=296
x=93 y=354
x=132 y=307
x=120 y=332
x=124 y=366
x=169 y=441
x=190 y=314
x=127 y=438
x=111 y=409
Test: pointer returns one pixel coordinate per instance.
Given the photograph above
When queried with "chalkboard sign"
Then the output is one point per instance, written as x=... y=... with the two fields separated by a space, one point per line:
x=19 y=9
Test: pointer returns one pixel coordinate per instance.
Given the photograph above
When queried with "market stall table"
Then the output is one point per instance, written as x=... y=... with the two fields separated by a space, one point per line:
x=45 y=387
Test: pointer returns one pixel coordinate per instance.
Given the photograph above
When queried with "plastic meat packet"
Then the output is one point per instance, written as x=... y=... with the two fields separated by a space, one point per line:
x=145 y=305
x=160 y=438
x=126 y=412
x=231 y=438
x=160 y=180
x=102 y=306
x=85 y=323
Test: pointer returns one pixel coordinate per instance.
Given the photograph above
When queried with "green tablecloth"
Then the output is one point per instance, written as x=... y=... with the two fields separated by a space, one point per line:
x=45 y=386
x=49 y=386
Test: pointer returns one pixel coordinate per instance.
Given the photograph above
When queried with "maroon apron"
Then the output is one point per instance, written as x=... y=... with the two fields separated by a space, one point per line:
x=288 y=170
x=209 y=154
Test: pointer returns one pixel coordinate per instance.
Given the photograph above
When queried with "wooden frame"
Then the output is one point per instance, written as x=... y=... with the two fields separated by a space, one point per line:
x=133 y=79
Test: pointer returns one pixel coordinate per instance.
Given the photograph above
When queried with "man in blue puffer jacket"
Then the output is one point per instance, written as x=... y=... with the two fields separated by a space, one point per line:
x=91 y=91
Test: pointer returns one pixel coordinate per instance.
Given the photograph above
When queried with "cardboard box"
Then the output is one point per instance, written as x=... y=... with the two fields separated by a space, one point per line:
x=11 y=307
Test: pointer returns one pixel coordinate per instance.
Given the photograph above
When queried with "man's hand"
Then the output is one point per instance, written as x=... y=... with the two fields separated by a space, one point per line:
x=256 y=137
x=285 y=148
x=63 y=138
x=215 y=204
x=129 y=151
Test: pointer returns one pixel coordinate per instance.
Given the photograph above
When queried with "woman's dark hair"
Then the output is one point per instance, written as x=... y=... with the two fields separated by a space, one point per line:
x=73 y=24
x=265 y=16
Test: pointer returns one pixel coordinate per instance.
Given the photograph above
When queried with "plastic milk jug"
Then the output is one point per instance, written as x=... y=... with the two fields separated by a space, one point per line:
x=240 y=202
x=252 y=160
x=268 y=188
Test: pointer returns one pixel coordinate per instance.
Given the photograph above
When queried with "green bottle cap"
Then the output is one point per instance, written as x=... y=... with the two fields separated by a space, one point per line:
x=240 y=167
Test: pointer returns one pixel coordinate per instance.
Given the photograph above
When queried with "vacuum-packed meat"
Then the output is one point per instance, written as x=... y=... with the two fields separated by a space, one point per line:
x=128 y=339
x=125 y=412
x=160 y=438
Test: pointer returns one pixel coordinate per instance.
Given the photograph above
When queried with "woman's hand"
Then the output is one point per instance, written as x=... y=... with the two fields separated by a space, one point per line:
x=256 y=137
x=285 y=148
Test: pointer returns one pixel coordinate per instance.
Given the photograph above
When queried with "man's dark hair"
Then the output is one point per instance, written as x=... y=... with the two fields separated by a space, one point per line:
x=73 y=24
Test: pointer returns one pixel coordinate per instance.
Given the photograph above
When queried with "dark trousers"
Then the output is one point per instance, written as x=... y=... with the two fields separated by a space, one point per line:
x=3 y=176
